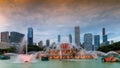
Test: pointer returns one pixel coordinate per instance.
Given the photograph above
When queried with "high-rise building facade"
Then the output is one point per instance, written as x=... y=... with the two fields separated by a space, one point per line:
x=112 y=41
x=105 y=41
x=77 y=35
x=88 y=42
x=104 y=38
x=96 y=41
x=47 y=43
x=59 y=38
x=30 y=36
x=103 y=31
x=16 y=37
x=40 y=44
x=104 y=35
x=70 y=38
x=5 y=37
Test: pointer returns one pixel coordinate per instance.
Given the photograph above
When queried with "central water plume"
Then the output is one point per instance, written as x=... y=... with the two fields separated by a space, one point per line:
x=23 y=57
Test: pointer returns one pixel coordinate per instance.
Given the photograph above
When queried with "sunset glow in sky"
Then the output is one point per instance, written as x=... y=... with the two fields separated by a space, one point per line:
x=52 y=17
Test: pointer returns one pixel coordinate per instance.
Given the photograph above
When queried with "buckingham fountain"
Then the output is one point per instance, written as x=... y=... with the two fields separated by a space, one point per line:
x=62 y=51
x=66 y=50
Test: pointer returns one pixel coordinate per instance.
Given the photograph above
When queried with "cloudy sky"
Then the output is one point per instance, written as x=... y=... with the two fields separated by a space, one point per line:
x=52 y=17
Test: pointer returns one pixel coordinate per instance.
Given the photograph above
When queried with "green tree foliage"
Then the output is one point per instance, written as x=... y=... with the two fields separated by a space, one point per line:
x=34 y=48
x=11 y=49
x=112 y=47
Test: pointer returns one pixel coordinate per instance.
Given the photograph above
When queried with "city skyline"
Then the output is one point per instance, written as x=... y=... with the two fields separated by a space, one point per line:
x=67 y=39
x=50 y=18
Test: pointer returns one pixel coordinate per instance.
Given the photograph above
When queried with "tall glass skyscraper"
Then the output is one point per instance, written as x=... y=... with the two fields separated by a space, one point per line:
x=104 y=35
x=103 y=31
x=96 y=41
x=88 y=42
x=77 y=35
x=104 y=38
x=105 y=41
x=30 y=36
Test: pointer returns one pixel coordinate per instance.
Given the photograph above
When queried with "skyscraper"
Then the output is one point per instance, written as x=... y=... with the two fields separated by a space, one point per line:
x=30 y=36
x=59 y=38
x=88 y=42
x=104 y=38
x=47 y=43
x=40 y=44
x=16 y=37
x=77 y=35
x=105 y=42
x=104 y=35
x=96 y=41
x=70 y=38
x=5 y=37
x=103 y=31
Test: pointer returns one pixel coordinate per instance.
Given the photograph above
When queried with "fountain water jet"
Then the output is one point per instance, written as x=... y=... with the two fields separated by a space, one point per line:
x=22 y=58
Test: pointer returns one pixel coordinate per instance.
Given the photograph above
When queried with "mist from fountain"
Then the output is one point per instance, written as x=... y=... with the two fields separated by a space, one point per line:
x=22 y=58
x=60 y=54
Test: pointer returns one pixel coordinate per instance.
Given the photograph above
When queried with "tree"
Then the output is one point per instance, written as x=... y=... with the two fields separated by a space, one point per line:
x=112 y=47
x=34 y=48
x=11 y=49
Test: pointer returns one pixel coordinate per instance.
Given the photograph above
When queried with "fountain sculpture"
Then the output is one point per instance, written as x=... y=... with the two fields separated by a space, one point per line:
x=66 y=51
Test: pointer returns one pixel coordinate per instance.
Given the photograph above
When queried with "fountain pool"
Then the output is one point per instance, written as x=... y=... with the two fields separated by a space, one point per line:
x=60 y=64
x=23 y=58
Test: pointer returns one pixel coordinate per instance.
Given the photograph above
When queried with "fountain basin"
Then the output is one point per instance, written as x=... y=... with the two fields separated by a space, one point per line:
x=45 y=58
x=23 y=58
x=26 y=58
x=111 y=57
x=4 y=57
